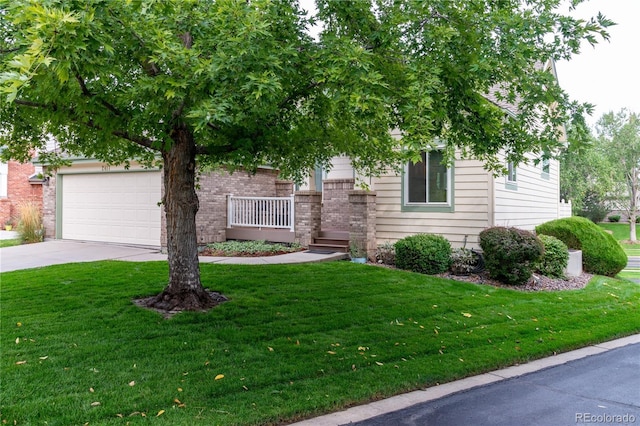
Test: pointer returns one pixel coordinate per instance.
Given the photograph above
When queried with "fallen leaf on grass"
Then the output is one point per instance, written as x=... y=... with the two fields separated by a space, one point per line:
x=331 y=352
x=42 y=358
x=21 y=362
x=467 y=314
x=379 y=363
x=95 y=404
x=161 y=412
x=91 y=390
x=132 y=383
x=219 y=376
x=17 y=340
x=19 y=324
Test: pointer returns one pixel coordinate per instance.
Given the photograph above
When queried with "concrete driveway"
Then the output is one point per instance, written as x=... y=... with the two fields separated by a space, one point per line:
x=56 y=252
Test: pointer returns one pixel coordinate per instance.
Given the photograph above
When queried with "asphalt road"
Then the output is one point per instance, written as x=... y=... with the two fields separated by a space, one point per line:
x=601 y=389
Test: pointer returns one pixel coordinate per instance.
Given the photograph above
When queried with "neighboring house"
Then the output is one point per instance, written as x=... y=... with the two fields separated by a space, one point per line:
x=19 y=183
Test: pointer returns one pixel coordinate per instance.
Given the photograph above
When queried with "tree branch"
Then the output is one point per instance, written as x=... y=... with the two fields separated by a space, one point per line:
x=87 y=93
x=15 y=49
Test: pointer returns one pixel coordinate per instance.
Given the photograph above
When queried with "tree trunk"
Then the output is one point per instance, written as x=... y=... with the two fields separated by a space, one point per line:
x=184 y=292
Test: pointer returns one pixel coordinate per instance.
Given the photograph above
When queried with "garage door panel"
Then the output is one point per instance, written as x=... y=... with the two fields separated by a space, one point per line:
x=112 y=207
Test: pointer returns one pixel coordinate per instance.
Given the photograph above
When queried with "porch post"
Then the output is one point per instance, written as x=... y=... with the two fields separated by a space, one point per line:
x=362 y=220
x=308 y=207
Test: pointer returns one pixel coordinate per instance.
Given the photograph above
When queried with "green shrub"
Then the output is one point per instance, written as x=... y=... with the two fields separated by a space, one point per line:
x=509 y=253
x=424 y=253
x=601 y=253
x=614 y=218
x=555 y=257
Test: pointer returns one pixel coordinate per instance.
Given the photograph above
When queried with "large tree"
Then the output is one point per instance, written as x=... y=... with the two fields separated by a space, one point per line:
x=242 y=83
x=619 y=138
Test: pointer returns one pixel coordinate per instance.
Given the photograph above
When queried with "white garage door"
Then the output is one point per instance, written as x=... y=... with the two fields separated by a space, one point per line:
x=112 y=207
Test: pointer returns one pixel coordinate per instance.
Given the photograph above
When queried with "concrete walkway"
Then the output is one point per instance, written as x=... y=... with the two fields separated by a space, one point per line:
x=57 y=252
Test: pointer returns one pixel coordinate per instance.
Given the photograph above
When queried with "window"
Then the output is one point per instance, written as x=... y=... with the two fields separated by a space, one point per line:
x=545 y=165
x=4 y=172
x=511 y=173
x=427 y=183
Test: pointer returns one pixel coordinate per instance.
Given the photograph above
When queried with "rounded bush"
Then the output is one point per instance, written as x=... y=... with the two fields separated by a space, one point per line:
x=423 y=253
x=601 y=253
x=555 y=257
x=509 y=253
x=614 y=218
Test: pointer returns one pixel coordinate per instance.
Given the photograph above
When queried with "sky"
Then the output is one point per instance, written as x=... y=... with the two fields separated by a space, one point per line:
x=606 y=75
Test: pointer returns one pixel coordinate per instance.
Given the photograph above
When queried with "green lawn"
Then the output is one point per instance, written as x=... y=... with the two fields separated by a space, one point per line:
x=9 y=243
x=293 y=341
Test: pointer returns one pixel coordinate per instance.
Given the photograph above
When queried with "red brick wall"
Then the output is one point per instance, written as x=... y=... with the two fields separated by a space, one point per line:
x=19 y=190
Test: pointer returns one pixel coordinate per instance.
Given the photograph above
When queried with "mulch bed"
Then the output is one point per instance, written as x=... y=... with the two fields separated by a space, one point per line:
x=537 y=283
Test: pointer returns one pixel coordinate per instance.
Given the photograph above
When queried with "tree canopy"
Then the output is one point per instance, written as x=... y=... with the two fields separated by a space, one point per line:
x=243 y=83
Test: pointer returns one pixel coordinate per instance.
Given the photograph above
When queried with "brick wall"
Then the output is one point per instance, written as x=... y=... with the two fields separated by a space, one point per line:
x=211 y=219
x=19 y=190
x=49 y=207
x=308 y=216
x=362 y=220
x=335 y=204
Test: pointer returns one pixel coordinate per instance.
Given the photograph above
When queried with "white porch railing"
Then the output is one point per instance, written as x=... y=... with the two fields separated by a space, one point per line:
x=261 y=212
x=564 y=209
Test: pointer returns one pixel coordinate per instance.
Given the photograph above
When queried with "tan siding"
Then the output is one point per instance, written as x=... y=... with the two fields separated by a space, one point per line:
x=470 y=217
x=535 y=200
x=340 y=169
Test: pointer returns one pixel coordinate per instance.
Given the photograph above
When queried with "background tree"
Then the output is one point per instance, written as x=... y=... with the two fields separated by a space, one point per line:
x=587 y=174
x=619 y=138
x=241 y=83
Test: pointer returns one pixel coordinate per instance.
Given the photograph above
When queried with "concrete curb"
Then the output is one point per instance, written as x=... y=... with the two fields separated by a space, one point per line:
x=399 y=402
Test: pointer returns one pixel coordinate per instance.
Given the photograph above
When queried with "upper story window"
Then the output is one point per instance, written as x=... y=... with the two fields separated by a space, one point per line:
x=512 y=176
x=546 y=165
x=428 y=182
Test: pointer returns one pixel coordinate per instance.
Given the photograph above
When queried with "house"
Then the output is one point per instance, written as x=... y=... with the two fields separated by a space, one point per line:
x=89 y=200
x=19 y=183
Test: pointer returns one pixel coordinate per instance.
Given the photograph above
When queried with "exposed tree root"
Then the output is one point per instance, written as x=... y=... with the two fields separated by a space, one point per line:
x=169 y=304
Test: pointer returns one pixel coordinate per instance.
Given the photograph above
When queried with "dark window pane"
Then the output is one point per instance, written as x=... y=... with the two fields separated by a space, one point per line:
x=417 y=181
x=437 y=178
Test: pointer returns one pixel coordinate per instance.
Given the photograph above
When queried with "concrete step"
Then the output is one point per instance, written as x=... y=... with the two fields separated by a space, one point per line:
x=328 y=248
x=331 y=241
x=329 y=233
